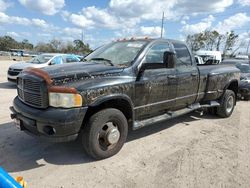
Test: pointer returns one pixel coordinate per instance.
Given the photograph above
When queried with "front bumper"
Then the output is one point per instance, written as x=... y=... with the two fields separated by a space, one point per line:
x=12 y=78
x=52 y=124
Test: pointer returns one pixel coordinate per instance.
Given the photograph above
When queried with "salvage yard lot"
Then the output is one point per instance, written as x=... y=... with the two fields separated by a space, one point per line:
x=190 y=151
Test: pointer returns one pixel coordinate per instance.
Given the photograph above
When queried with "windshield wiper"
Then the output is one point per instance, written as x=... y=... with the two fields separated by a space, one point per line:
x=102 y=59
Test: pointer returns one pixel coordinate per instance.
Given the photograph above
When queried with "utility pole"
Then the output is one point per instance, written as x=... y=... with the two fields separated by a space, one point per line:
x=162 y=24
x=82 y=35
x=248 y=46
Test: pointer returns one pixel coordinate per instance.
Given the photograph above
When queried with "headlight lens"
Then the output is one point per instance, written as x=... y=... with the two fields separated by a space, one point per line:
x=65 y=100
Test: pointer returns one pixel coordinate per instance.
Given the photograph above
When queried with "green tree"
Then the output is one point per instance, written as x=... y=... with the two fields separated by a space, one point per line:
x=80 y=47
x=56 y=45
x=68 y=48
x=44 y=47
x=25 y=44
x=213 y=40
x=7 y=43
x=195 y=42
x=231 y=39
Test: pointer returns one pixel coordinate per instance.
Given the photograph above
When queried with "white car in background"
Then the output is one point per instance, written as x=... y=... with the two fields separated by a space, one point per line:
x=40 y=61
x=199 y=60
x=210 y=57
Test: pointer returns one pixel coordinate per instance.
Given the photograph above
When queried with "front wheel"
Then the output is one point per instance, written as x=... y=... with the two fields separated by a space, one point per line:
x=105 y=133
x=247 y=98
x=227 y=104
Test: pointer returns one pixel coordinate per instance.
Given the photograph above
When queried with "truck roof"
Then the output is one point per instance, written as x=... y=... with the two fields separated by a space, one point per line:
x=153 y=39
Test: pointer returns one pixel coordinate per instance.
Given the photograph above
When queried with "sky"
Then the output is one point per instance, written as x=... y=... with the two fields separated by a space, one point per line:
x=101 y=21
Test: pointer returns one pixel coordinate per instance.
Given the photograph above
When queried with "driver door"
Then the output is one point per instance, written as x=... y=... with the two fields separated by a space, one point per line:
x=155 y=89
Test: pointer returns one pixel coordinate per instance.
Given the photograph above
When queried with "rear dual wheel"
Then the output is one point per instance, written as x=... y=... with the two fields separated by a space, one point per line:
x=227 y=105
x=105 y=133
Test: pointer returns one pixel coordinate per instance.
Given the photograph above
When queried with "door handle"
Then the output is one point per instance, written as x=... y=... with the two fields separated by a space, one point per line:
x=171 y=76
x=194 y=74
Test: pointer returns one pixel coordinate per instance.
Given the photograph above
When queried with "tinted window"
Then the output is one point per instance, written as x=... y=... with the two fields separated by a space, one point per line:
x=57 y=60
x=70 y=59
x=40 y=59
x=155 y=54
x=182 y=54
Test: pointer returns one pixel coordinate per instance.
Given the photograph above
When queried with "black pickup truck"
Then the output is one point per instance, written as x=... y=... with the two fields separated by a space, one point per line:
x=129 y=83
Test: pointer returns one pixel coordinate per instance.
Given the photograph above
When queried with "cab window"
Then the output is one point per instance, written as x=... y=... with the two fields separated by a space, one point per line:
x=182 y=54
x=57 y=60
x=155 y=54
x=71 y=59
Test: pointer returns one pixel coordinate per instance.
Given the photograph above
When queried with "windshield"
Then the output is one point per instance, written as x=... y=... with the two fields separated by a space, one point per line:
x=40 y=59
x=118 y=53
x=244 y=68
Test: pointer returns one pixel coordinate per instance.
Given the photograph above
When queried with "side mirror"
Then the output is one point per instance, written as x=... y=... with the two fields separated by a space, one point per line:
x=52 y=63
x=168 y=59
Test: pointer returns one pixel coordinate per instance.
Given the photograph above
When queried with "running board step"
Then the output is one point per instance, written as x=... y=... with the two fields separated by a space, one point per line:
x=173 y=114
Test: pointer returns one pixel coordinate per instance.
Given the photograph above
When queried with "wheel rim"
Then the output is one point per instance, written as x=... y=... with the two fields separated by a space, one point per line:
x=108 y=136
x=230 y=104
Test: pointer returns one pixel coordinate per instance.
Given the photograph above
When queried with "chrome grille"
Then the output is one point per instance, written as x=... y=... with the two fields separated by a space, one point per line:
x=31 y=85
x=32 y=92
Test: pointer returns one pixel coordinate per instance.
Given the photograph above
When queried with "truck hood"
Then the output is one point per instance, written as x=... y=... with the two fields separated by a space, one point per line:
x=24 y=65
x=65 y=73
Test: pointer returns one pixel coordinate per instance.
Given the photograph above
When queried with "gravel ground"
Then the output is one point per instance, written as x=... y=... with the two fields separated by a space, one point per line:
x=190 y=151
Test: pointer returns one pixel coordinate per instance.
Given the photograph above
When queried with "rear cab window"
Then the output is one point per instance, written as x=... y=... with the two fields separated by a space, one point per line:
x=182 y=54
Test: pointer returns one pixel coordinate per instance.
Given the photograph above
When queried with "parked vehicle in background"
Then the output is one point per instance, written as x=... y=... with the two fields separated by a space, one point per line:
x=124 y=84
x=4 y=53
x=40 y=61
x=199 y=60
x=235 y=61
x=244 y=86
x=210 y=57
x=239 y=56
x=244 y=67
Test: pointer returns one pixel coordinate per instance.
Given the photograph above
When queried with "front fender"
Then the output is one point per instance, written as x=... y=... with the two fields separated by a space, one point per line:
x=106 y=98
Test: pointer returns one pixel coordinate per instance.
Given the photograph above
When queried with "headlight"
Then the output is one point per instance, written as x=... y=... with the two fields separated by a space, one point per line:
x=65 y=100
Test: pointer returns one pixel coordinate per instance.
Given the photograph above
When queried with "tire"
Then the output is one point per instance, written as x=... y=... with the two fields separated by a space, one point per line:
x=212 y=110
x=95 y=139
x=247 y=98
x=227 y=104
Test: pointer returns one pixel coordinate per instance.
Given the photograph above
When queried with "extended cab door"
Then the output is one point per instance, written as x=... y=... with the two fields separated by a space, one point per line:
x=188 y=76
x=155 y=88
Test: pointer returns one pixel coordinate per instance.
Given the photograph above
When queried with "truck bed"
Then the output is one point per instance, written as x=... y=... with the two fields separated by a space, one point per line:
x=213 y=80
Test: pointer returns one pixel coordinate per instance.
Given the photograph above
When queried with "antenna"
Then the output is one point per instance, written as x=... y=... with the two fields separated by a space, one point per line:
x=82 y=35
